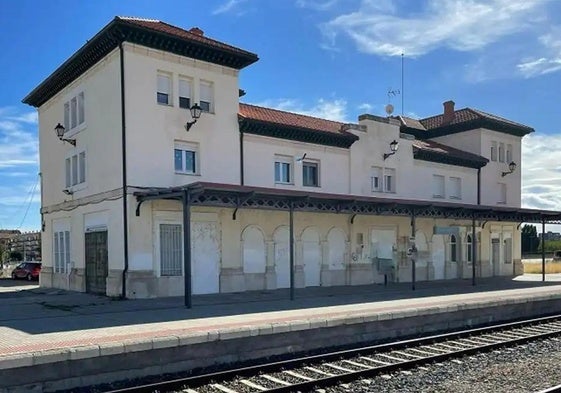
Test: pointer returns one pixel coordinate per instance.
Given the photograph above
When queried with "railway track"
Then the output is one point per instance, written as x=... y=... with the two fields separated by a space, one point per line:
x=312 y=372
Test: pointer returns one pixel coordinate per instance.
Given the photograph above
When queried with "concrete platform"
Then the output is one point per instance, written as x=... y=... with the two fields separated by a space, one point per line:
x=54 y=339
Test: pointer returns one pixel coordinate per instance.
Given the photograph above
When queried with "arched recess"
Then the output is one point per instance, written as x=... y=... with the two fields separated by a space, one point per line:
x=438 y=256
x=282 y=256
x=311 y=255
x=422 y=248
x=336 y=241
x=253 y=250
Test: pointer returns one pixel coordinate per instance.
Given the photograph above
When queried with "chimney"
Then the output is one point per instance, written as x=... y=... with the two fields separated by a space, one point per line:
x=449 y=113
x=196 y=31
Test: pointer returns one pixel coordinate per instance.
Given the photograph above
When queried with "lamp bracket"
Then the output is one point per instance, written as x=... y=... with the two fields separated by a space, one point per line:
x=189 y=124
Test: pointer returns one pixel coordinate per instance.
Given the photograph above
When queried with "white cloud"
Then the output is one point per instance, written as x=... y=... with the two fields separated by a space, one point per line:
x=455 y=24
x=541 y=172
x=319 y=5
x=228 y=6
x=18 y=168
x=549 y=59
x=326 y=109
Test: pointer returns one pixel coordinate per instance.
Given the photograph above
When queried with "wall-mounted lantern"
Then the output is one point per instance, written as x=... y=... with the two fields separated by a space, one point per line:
x=196 y=111
x=393 y=149
x=60 y=130
x=511 y=168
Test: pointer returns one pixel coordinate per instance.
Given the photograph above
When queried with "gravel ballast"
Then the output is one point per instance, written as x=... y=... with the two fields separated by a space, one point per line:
x=527 y=368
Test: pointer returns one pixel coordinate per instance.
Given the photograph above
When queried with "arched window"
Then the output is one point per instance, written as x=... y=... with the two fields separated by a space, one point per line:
x=453 y=248
x=468 y=248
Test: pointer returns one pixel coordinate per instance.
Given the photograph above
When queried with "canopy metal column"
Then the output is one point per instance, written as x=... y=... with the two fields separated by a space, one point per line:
x=291 y=235
x=413 y=252
x=543 y=248
x=473 y=250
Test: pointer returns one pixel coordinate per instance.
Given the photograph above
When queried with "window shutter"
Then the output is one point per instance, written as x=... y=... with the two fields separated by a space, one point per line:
x=206 y=92
x=163 y=84
x=184 y=88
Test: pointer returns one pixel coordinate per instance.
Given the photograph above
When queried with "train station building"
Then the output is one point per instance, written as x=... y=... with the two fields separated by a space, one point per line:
x=142 y=134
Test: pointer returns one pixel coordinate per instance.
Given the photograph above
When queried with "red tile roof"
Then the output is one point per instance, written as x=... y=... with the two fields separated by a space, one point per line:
x=194 y=34
x=447 y=151
x=290 y=119
x=465 y=115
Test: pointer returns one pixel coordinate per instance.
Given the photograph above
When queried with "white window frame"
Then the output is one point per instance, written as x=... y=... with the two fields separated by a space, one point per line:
x=441 y=191
x=187 y=148
x=76 y=170
x=204 y=98
x=502 y=193
x=452 y=194
x=284 y=160
x=501 y=152
x=311 y=163
x=494 y=151
x=185 y=82
x=390 y=178
x=377 y=179
x=74 y=114
x=509 y=153
x=161 y=89
x=61 y=246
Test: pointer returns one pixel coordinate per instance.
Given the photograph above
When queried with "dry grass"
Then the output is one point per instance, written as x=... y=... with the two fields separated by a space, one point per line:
x=536 y=267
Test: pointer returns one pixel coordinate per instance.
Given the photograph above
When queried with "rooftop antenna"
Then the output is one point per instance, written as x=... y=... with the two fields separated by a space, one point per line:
x=389 y=106
x=402 y=91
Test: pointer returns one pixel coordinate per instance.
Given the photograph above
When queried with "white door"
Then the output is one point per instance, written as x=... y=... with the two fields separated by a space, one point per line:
x=438 y=256
x=282 y=257
x=205 y=257
x=312 y=258
x=382 y=242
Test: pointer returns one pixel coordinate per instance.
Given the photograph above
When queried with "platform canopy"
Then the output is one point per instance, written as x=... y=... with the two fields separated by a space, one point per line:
x=248 y=197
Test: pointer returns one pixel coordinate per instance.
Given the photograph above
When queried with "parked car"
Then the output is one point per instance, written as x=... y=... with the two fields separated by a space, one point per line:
x=557 y=255
x=28 y=270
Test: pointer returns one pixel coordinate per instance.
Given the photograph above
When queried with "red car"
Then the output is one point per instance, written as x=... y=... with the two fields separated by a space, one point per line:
x=28 y=270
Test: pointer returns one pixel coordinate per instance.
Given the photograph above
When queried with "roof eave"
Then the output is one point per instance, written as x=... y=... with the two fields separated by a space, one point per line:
x=424 y=155
x=283 y=131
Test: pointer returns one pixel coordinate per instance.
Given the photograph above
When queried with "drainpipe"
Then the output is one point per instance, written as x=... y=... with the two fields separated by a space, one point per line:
x=241 y=159
x=479 y=186
x=124 y=156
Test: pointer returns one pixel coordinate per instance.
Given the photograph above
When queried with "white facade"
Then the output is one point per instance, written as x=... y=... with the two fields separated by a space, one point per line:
x=82 y=190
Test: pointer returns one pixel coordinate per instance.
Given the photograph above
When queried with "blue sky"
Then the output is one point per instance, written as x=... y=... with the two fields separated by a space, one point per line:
x=329 y=58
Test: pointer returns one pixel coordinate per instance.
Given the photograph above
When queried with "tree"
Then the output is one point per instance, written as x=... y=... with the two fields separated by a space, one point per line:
x=530 y=239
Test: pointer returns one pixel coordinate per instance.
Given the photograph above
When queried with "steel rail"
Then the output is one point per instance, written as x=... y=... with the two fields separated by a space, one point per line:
x=195 y=382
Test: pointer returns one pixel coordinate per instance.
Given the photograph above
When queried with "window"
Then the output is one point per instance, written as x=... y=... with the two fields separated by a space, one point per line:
x=61 y=251
x=501 y=152
x=185 y=93
x=382 y=179
x=455 y=188
x=206 y=96
x=469 y=250
x=389 y=180
x=74 y=112
x=163 y=94
x=453 y=248
x=493 y=151
x=67 y=115
x=75 y=169
x=502 y=193
x=282 y=172
x=171 y=250
x=186 y=158
x=310 y=174
x=377 y=180
x=81 y=111
x=508 y=153
x=437 y=186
